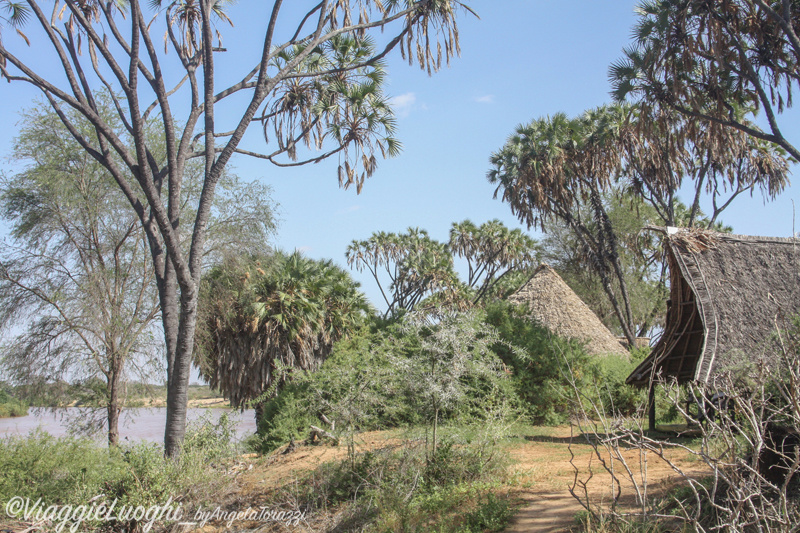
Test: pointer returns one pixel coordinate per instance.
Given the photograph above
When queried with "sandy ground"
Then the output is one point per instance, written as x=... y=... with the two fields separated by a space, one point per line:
x=541 y=473
x=545 y=471
x=543 y=468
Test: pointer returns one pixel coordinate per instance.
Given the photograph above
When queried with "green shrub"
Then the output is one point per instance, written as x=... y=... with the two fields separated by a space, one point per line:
x=212 y=439
x=10 y=406
x=404 y=489
x=386 y=378
x=454 y=464
x=613 y=393
x=543 y=365
x=284 y=418
x=492 y=514
x=58 y=470
x=69 y=470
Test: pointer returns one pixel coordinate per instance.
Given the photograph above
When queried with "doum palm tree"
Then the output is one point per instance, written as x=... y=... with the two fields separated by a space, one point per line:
x=264 y=316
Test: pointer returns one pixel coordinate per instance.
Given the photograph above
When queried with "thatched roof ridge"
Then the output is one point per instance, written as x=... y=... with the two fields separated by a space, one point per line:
x=553 y=304
x=728 y=295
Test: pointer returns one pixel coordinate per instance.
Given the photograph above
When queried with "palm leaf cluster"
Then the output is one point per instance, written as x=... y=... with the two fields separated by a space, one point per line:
x=261 y=315
x=186 y=16
x=333 y=94
x=15 y=14
x=415 y=264
x=492 y=251
x=415 y=271
x=715 y=61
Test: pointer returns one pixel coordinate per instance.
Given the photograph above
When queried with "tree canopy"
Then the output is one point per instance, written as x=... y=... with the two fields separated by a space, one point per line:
x=320 y=88
x=716 y=62
x=415 y=265
x=263 y=316
x=76 y=268
x=563 y=171
x=414 y=271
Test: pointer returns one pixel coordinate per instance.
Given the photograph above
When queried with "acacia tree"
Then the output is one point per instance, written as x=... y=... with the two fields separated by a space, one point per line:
x=715 y=61
x=321 y=88
x=77 y=267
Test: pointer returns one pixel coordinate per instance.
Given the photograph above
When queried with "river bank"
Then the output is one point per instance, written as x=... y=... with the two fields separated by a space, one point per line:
x=143 y=423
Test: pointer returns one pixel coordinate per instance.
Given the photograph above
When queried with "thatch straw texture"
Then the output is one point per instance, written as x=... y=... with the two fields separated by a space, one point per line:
x=728 y=296
x=553 y=304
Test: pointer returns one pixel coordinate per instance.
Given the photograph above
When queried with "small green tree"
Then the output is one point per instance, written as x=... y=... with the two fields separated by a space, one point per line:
x=77 y=266
x=458 y=347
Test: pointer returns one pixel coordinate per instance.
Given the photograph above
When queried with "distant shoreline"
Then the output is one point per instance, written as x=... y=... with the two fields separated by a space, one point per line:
x=198 y=402
x=138 y=395
x=210 y=403
x=13 y=415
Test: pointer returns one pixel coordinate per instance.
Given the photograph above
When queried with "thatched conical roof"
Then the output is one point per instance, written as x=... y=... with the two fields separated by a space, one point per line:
x=728 y=295
x=553 y=304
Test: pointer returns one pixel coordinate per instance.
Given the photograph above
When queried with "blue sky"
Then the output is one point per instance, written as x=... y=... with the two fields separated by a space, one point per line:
x=523 y=59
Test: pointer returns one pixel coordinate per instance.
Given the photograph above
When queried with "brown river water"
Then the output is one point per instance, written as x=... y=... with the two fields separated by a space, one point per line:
x=135 y=424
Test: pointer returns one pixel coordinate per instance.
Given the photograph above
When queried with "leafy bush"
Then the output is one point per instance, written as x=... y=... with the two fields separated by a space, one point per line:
x=69 y=470
x=284 y=418
x=541 y=365
x=492 y=514
x=615 y=395
x=58 y=470
x=402 y=375
x=10 y=406
x=355 y=387
x=402 y=488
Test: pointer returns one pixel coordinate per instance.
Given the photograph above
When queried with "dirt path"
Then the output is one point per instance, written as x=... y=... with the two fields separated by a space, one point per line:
x=546 y=512
x=541 y=474
x=543 y=468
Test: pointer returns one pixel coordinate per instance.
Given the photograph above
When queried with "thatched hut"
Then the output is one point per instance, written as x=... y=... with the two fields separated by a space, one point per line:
x=553 y=304
x=728 y=293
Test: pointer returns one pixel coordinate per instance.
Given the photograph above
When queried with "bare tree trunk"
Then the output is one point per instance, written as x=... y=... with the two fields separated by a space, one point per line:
x=113 y=401
x=435 y=427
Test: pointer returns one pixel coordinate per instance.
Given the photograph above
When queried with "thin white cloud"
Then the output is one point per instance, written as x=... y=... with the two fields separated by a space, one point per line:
x=303 y=249
x=485 y=99
x=403 y=104
x=348 y=209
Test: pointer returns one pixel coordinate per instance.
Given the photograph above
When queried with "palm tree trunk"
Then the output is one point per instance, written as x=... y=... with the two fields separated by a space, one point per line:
x=178 y=377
